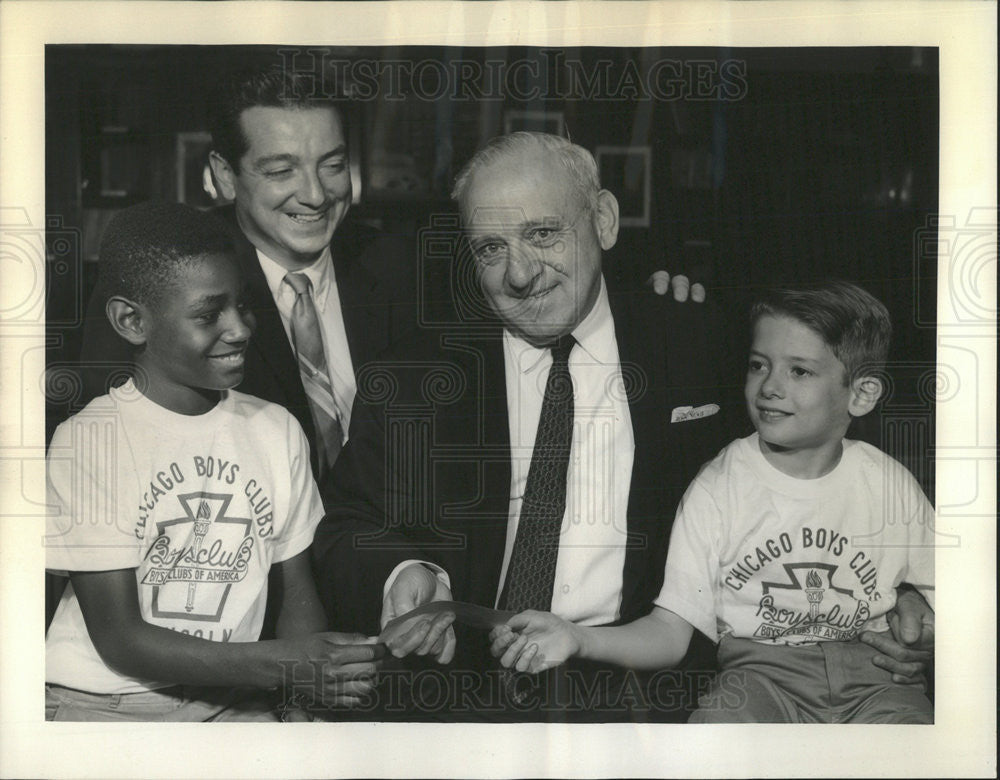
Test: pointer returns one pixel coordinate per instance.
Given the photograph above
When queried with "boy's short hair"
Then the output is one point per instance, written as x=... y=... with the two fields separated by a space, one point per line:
x=146 y=245
x=272 y=85
x=853 y=322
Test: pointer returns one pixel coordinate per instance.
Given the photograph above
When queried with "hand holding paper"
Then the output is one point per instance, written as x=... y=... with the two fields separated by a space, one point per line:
x=349 y=665
x=423 y=634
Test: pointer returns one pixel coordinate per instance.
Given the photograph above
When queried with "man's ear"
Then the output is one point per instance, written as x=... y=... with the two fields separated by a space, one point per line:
x=606 y=219
x=224 y=174
x=127 y=319
x=865 y=392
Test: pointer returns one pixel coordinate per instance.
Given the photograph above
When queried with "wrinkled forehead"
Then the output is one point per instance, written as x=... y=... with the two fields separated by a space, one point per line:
x=514 y=192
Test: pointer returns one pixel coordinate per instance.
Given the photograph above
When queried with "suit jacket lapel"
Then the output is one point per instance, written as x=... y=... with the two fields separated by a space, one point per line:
x=272 y=371
x=642 y=355
x=482 y=425
x=496 y=433
x=359 y=297
x=269 y=340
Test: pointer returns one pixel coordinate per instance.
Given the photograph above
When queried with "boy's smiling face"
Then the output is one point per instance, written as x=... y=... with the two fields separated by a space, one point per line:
x=798 y=397
x=196 y=336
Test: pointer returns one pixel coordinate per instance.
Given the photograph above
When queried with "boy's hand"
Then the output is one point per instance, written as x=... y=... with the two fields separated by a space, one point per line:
x=344 y=668
x=535 y=641
x=502 y=638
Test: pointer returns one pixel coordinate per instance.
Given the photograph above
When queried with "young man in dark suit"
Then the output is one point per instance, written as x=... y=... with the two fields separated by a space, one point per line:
x=280 y=152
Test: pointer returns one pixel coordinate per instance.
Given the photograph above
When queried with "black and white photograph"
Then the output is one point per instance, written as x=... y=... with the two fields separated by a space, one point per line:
x=626 y=170
x=534 y=396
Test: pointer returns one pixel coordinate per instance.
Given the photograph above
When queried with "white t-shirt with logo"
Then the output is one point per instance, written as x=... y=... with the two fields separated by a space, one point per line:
x=757 y=554
x=199 y=505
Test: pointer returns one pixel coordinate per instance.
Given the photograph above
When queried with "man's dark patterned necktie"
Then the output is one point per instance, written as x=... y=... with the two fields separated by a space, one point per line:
x=532 y=569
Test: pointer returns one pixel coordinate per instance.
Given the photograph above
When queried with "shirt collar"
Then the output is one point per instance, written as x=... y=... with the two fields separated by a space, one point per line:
x=320 y=273
x=595 y=335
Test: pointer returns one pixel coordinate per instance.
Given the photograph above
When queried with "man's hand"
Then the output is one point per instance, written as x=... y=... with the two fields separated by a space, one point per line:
x=416 y=585
x=535 y=641
x=662 y=282
x=909 y=651
x=348 y=665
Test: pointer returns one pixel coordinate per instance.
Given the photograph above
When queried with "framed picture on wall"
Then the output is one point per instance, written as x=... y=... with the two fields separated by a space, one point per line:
x=626 y=172
x=116 y=167
x=553 y=122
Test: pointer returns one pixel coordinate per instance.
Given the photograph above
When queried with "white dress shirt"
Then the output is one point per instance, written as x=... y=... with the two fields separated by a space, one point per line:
x=331 y=318
x=588 y=579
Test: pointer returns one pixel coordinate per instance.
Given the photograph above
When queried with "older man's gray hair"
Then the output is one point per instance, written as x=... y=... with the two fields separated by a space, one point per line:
x=578 y=161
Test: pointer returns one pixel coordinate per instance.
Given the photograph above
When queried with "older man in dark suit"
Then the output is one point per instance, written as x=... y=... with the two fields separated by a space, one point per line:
x=438 y=491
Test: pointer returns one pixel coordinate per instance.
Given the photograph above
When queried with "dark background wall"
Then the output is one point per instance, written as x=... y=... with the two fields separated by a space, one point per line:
x=765 y=165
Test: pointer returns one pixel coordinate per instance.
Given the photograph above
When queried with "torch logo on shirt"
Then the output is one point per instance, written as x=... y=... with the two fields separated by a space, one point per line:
x=814 y=592
x=833 y=612
x=194 y=560
x=201 y=523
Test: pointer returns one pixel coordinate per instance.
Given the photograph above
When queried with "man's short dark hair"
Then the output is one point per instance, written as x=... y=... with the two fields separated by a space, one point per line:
x=273 y=85
x=851 y=321
x=145 y=246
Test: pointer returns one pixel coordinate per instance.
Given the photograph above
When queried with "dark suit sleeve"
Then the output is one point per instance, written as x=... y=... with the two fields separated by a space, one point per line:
x=372 y=522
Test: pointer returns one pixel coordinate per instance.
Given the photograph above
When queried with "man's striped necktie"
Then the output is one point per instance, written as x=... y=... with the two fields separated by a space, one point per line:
x=307 y=340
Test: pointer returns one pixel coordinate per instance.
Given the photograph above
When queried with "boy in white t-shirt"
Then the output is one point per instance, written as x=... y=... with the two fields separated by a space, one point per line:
x=788 y=544
x=174 y=496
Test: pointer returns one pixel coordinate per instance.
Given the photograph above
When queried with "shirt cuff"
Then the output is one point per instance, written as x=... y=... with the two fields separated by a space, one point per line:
x=438 y=572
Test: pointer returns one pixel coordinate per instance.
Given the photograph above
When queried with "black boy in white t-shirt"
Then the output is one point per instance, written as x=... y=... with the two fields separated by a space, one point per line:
x=175 y=496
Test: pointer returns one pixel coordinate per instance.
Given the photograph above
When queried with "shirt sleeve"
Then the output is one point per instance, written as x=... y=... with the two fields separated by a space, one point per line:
x=440 y=574
x=305 y=508
x=92 y=512
x=693 y=561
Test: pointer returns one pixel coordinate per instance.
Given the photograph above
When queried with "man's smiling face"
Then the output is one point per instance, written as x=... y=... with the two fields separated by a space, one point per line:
x=293 y=186
x=537 y=243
